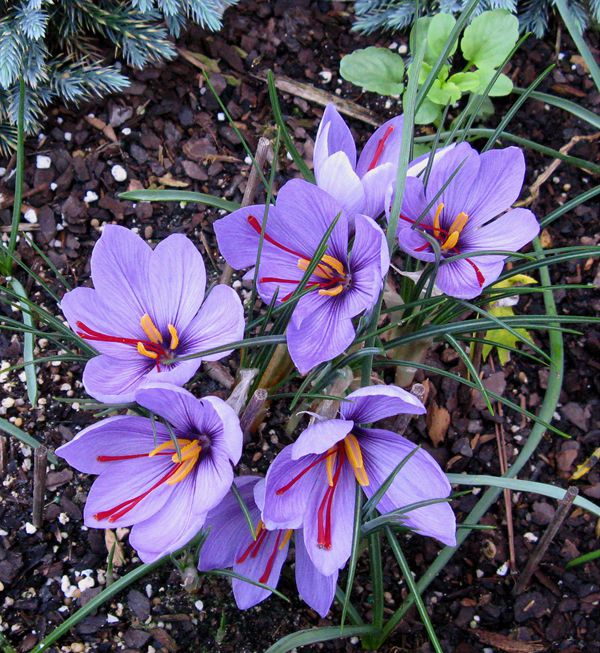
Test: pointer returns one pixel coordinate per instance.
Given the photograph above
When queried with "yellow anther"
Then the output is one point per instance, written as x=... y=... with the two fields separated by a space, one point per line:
x=331 y=292
x=328 y=268
x=451 y=241
x=436 y=219
x=259 y=527
x=286 y=538
x=191 y=450
x=330 y=464
x=168 y=444
x=174 y=337
x=355 y=458
x=184 y=470
x=459 y=223
x=150 y=330
x=144 y=352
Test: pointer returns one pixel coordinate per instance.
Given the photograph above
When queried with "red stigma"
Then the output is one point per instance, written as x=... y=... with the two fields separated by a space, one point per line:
x=478 y=273
x=296 y=478
x=380 y=147
x=255 y=224
x=325 y=508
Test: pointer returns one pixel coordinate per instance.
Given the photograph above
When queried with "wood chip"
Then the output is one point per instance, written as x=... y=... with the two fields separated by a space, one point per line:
x=504 y=643
x=438 y=421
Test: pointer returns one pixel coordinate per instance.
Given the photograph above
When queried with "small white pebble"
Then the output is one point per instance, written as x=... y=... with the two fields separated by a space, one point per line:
x=42 y=162
x=111 y=619
x=2 y=171
x=502 y=569
x=53 y=185
x=530 y=537
x=59 y=120
x=126 y=131
x=85 y=583
x=326 y=76
x=403 y=49
x=149 y=590
x=393 y=45
x=118 y=172
x=30 y=529
x=247 y=160
x=479 y=573
x=68 y=136
x=8 y=402
x=63 y=518
x=199 y=605
x=90 y=197
x=30 y=216
x=220 y=116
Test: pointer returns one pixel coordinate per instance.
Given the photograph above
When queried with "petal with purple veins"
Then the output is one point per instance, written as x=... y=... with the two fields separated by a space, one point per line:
x=377 y=402
x=333 y=136
x=383 y=147
x=320 y=436
x=115 y=380
x=315 y=589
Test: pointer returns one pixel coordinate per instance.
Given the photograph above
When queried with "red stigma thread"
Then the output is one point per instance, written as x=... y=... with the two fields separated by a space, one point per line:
x=296 y=478
x=271 y=561
x=255 y=224
x=380 y=147
x=325 y=508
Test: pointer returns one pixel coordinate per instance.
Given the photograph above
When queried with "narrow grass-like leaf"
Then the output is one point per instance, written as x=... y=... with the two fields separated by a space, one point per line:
x=353 y=614
x=178 y=196
x=583 y=559
x=414 y=590
x=245 y=510
x=317 y=635
x=25 y=438
x=287 y=139
x=570 y=205
x=238 y=344
x=566 y=105
x=30 y=371
x=519 y=485
x=356 y=535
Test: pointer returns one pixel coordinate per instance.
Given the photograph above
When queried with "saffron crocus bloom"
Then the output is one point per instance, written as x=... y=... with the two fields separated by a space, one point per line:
x=230 y=544
x=472 y=214
x=343 y=284
x=162 y=482
x=359 y=186
x=148 y=307
x=311 y=483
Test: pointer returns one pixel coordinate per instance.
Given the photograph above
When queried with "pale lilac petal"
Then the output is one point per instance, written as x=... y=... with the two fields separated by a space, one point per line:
x=412 y=242
x=509 y=232
x=227 y=527
x=115 y=380
x=383 y=147
x=211 y=479
x=418 y=165
x=119 y=264
x=328 y=561
x=264 y=567
x=224 y=430
x=285 y=508
x=333 y=136
x=170 y=528
x=414 y=204
x=376 y=402
x=333 y=333
x=237 y=240
x=304 y=213
x=175 y=374
x=115 y=436
x=315 y=589
x=497 y=185
x=85 y=305
x=178 y=406
x=124 y=480
x=320 y=436
x=463 y=160
x=176 y=283
x=420 y=479
x=336 y=176
x=375 y=184
x=219 y=322
x=460 y=279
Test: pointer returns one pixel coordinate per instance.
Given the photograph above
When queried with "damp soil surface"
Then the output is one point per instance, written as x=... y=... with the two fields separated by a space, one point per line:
x=167 y=130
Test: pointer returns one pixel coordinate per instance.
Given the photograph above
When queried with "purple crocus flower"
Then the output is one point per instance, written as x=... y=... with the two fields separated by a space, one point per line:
x=341 y=287
x=230 y=544
x=147 y=307
x=145 y=481
x=470 y=215
x=311 y=483
x=359 y=186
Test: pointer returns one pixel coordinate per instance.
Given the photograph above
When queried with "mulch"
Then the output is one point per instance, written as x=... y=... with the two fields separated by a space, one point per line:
x=168 y=130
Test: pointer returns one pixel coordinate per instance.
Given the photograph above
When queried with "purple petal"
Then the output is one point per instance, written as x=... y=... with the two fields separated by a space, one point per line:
x=176 y=282
x=120 y=261
x=86 y=305
x=375 y=184
x=264 y=567
x=228 y=527
x=328 y=561
x=497 y=185
x=509 y=232
x=419 y=164
x=169 y=529
x=325 y=326
x=412 y=242
x=219 y=322
x=286 y=508
x=420 y=479
x=115 y=436
x=115 y=380
x=315 y=589
x=237 y=240
x=320 y=436
x=460 y=278
x=224 y=430
x=125 y=480
x=333 y=136
x=383 y=147
x=377 y=402
x=174 y=374
x=336 y=176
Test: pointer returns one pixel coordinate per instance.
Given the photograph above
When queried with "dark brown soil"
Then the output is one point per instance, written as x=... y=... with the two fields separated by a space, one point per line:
x=167 y=128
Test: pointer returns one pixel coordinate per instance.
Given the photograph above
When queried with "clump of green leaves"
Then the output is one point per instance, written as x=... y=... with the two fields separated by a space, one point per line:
x=484 y=46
